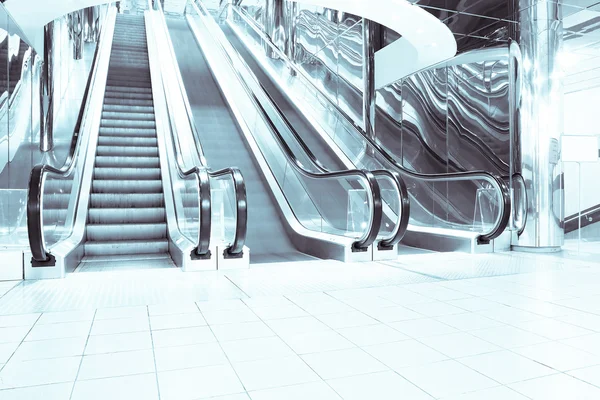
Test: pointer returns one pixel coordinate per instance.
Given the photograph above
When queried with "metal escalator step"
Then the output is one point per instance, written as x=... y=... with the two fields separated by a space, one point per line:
x=126 y=200
x=56 y=200
x=127 y=162
x=131 y=186
x=57 y=185
x=129 y=89
x=120 y=102
x=126 y=123
x=54 y=216
x=128 y=96
x=127 y=151
x=126 y=215
x=127 y=141
x=112 y=108
x=131 y=116
x=109 y=232
x=156 y=246
x=136 y=132
x=148 y=174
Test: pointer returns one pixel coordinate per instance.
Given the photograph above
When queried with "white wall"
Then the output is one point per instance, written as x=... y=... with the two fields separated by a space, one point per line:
x=582 y=117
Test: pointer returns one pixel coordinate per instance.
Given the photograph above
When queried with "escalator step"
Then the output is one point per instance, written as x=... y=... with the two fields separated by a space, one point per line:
x=127 y=151
x=110 y=232
x=106 y=140
x=149 y=174
x=132 y=162
x=126 y=215
x=126 y=200
x=126 y=247
x=126 y=187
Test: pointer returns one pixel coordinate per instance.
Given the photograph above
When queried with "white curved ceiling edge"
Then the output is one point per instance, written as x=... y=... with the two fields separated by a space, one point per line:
x=425 y=40
x=32 y=15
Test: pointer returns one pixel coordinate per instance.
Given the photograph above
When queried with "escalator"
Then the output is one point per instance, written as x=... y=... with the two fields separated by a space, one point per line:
x=223 y=144
x=126 y=216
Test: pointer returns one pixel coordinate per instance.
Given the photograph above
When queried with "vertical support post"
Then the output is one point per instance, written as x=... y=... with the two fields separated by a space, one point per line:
x=91 y=27
x=76 y=28
x=541 y=123
x=290 y=22
x=274 y=25
x=370 y=45
x=47 y=91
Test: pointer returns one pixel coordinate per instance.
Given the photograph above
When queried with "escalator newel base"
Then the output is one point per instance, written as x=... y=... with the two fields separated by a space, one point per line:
x=49 y=262
x=356 y=249
x=195 y=256
x=228 y=256
x=383 y=247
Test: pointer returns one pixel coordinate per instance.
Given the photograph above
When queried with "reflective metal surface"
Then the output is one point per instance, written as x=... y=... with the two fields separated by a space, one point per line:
x=91 y=27
x=46 y=96
x=76 y=31
x=540 y=112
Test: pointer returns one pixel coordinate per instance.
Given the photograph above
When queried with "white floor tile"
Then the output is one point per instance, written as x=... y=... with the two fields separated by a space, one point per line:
x=435 y=309
x=217 y=317
x=119 y=342
x=589 y=374
x=393 y=314
x=509 y=337
x=7 y=321
x=584 y=320
x=403 y=296
x=182 y=336
x=447 y=378
x=557 y=387
x=59 y=331
x=553 y=329
x=60 y=317
x=304 y=391
x=53 y=348
x=172 y=308
x=174 y=321
x=469 y=321
x=509 y=315
x=242 y=330
x=346 y=320
x=366 y=303
x=372 y=334
x=274 y=372
x=460 y=344
x=279 y=312
x=381 y=386
x=7 y=350
x=237 y=396
x=13 y=334
x=507 y=367
x=341 y=363
x=267 y=301
x=295 y=326
x=39 y=372
x=559 y=356
x=118 y=388
x=407 y=353
x=437 y=292
x=328 y=306
x=192 y=356
x=256 y=349
x=473 y=304
x=421 y=328
x=57 y=391
x=121 y=312
x=116 y=364
x=314 y=342
x=197 y=383
x=121 y=325
x=497 y=393
x=588 y=343
x=222 y=305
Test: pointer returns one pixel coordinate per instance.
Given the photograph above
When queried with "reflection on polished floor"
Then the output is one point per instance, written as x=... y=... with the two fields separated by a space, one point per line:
x=502 y=326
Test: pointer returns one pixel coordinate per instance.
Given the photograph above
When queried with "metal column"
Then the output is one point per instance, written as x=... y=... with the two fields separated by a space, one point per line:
x=371 y=42
x=274 y=24
x=76 y=29
x=91 y=27
x=541 y=123
x=47 y=91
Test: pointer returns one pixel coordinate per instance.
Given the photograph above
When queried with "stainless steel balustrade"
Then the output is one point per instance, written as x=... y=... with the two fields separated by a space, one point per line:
x=345 y=204
x=228 y=224
x=428 y=192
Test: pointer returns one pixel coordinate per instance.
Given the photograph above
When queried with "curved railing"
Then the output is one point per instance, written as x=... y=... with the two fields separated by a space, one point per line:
x=204 y=173
x=40 y=173
x=366 y=179
x=387 y=161
x=403 y=207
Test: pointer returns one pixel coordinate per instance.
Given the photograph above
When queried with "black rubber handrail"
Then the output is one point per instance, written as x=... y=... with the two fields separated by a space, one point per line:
x=588 y=217
x=371 y=234
x=404 y=203
x=236 y=248
x=35 y=229
x=505 y=205
x=517 y=176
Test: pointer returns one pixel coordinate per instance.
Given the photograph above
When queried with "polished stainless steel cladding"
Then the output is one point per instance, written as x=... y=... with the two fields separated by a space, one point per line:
x=91 y=27
x=539 y=110
x=76 y=30
x=47 y=91
x=370 y=36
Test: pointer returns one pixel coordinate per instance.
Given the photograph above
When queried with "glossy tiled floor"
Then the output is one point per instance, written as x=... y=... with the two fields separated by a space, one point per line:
x=430 y=326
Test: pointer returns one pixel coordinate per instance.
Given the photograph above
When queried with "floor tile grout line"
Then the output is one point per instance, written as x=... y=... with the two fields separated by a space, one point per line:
x=222 y=349
x=235 y=284
x=83 y=355
x=11 y=289
x=21 y=342
x=153 y=353
x=290 y=347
